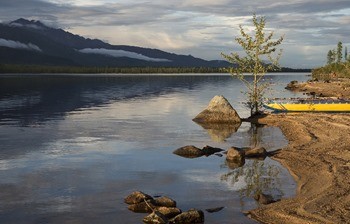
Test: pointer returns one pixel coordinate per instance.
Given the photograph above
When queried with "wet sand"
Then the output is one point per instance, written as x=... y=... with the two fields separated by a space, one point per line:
x=318 y=157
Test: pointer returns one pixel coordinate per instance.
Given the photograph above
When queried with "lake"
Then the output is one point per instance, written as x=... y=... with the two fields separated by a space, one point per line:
x=73 y=146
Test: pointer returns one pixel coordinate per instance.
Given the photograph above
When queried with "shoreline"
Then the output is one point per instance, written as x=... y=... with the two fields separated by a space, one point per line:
x=318 y=158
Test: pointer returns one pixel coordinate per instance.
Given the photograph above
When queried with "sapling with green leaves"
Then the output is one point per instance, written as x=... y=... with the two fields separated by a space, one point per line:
x=261 y=56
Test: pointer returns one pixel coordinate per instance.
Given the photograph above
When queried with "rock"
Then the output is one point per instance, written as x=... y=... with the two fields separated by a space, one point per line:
x=218 y=154
x=136 y=197
x=234 y=154
x=169 y=212
x=212 y=210
x=293 y=85
x=274 y=152
x=264 y=199
x=189 y=151
x=142 y=207
x=164 y=202
x=255 y=152
x=219 y=110
x=155 y=218
x=208 y=150
x=311 y=93
x=191 y=216
x=247 y=213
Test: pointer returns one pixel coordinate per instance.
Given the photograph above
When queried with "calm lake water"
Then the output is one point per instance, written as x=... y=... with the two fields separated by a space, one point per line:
x=73 y=146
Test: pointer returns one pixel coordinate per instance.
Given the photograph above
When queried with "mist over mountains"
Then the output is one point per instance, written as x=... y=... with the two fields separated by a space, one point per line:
x=33 y=43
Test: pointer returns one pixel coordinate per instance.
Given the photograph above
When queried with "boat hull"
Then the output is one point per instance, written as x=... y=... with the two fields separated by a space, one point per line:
x=309 y=107
x=303 y=105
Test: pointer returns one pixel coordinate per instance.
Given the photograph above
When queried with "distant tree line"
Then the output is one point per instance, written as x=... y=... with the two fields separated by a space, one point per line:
x=336 y=55
x=6 y=68
x=338 y=65
x=13 y=68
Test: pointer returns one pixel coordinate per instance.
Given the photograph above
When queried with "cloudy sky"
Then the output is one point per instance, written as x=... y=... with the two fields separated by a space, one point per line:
x=202 y=28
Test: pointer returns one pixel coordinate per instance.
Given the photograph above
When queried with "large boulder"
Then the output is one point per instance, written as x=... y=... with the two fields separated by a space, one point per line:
x=219 y=110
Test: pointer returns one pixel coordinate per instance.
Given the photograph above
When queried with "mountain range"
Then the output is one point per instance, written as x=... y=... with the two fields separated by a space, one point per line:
x=27 y=42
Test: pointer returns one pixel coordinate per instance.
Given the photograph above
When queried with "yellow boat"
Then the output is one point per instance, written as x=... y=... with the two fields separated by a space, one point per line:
x=308 y=104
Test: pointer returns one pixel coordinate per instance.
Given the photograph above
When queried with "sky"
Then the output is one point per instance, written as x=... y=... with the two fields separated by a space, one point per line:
x=201 y=28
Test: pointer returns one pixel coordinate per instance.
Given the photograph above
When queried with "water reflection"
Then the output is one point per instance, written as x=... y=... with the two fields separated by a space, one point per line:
x=72 y=147
x=258 y=175
x=251 y=176
x=220 y=132
x=33 y=99
x=234 y=164
x=38 y=109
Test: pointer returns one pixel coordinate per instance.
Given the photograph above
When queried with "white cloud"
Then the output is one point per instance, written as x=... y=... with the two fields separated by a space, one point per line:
x=202 y=28
x=32 y=26
x=19 y=45
x=121 y=53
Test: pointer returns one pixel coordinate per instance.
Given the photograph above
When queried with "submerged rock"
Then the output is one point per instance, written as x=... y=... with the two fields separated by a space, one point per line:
x=212 y=210
x=208 y=150
x=264 y=199
x=191 y=216
x=189 y=151
x=219 y=154
x=255 y=152
x=137 y=197
x=219 y=110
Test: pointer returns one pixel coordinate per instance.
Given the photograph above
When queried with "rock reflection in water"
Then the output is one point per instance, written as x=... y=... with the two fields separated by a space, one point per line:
x=220 y=132
x=234 y=164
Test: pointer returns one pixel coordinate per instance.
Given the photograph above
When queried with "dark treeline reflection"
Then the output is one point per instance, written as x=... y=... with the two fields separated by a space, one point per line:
x=26 y=99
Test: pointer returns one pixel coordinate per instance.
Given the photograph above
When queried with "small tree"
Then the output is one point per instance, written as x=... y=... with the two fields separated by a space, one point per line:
x=334 y=56
x=257 y=48
x=339 y=52
x=330 y=57
x=345 y=54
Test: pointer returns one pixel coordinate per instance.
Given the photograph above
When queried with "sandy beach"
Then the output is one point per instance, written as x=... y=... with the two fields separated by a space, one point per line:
x=318 y=157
